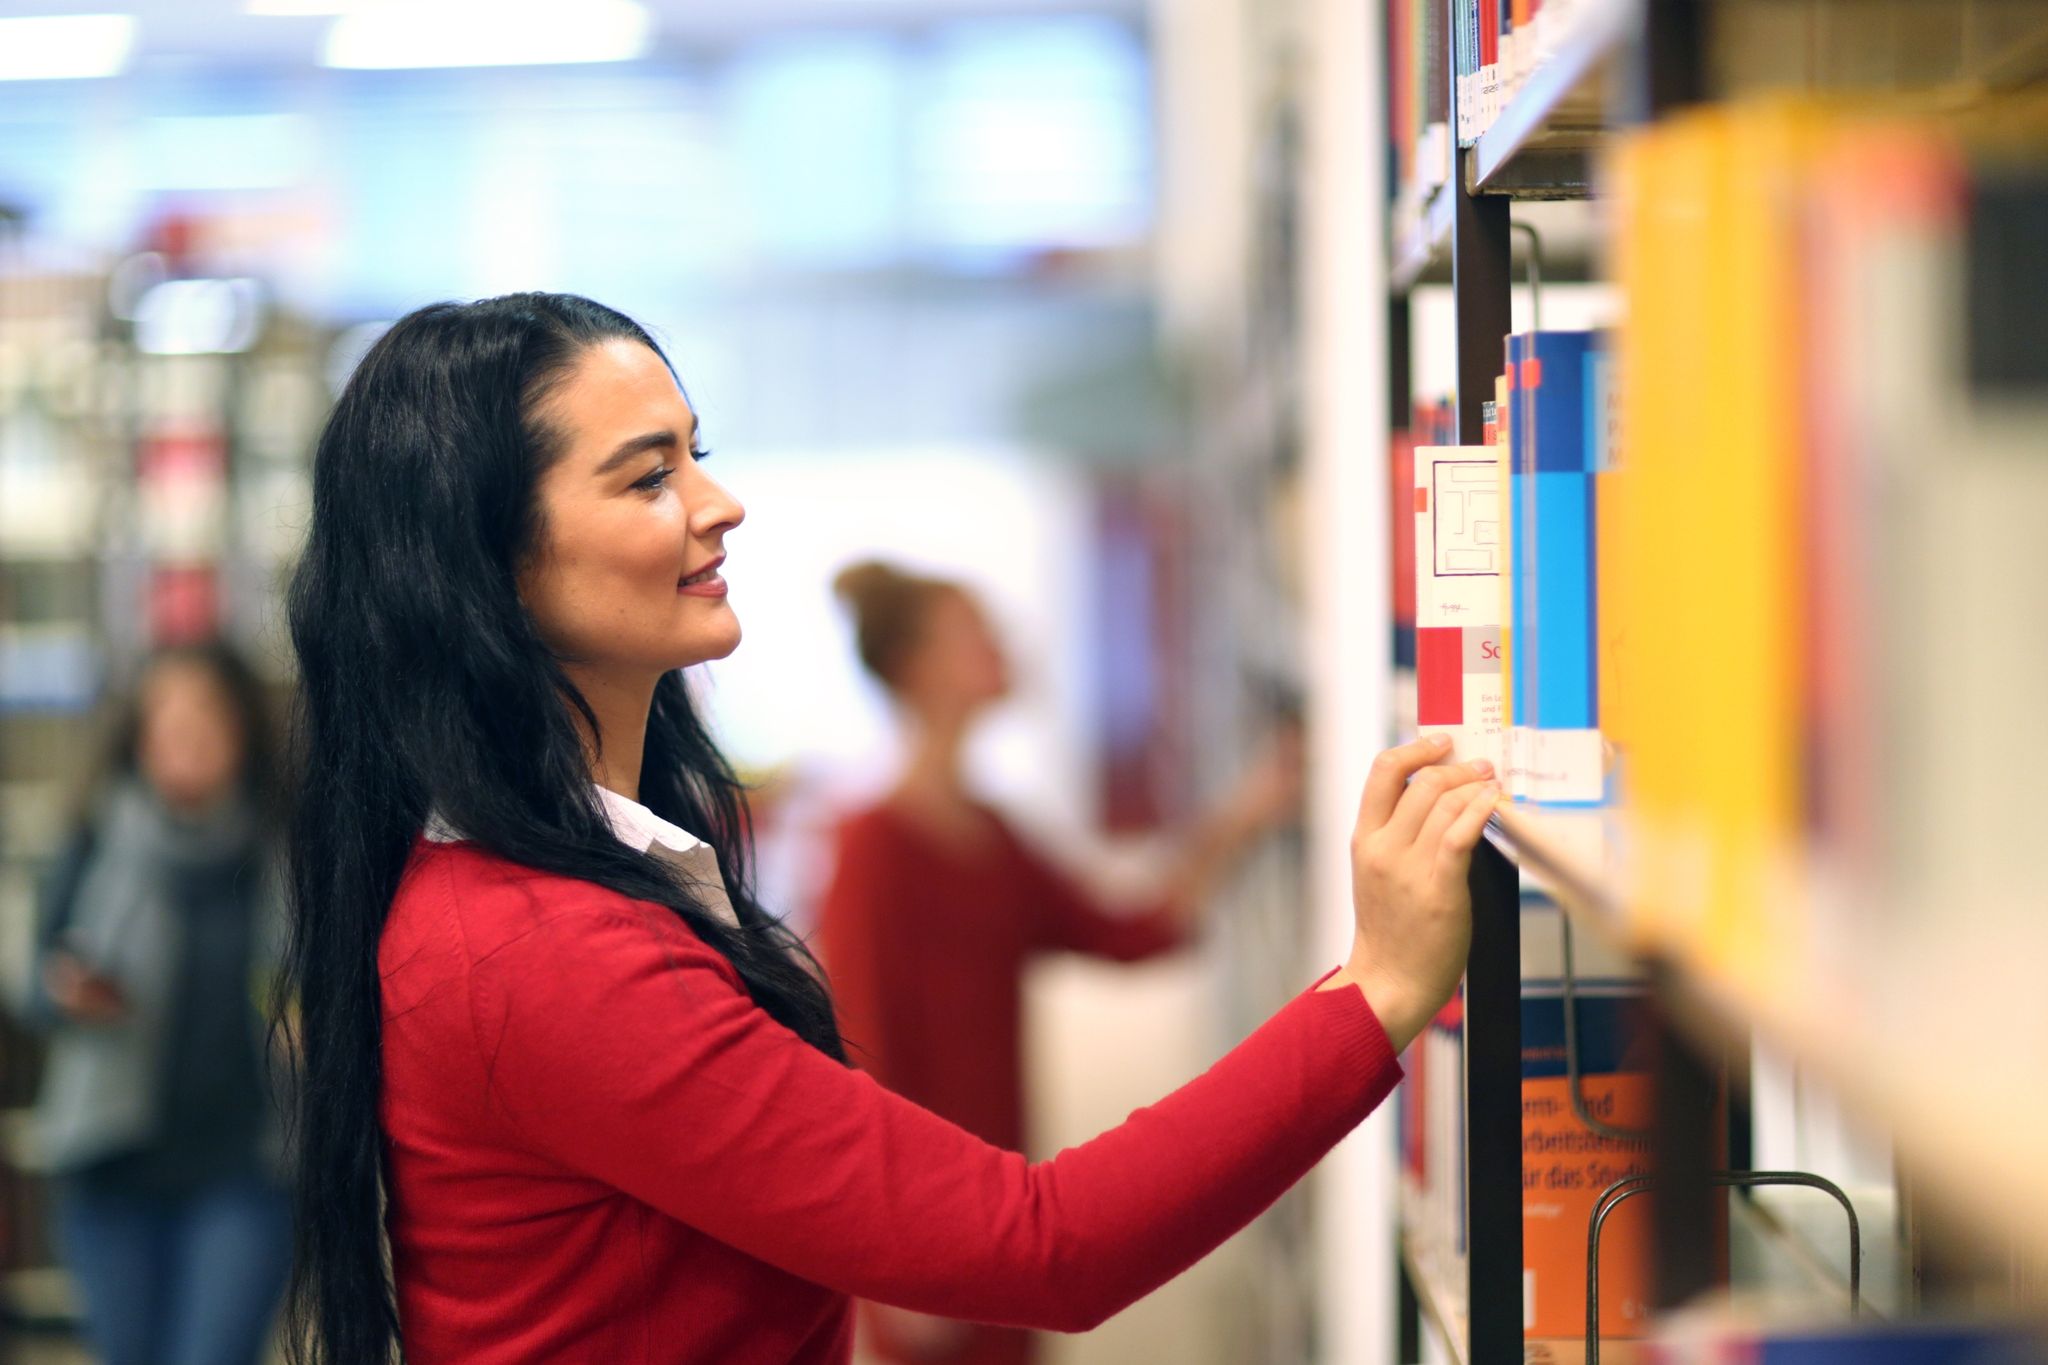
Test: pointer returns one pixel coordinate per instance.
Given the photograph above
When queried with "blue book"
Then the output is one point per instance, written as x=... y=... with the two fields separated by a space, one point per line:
x=1558 y=394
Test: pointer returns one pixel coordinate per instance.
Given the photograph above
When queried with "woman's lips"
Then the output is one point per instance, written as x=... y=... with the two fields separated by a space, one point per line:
x=705 y=582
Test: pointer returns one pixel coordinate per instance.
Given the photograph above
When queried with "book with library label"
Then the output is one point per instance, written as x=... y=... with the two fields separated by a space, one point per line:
x=1457 y=596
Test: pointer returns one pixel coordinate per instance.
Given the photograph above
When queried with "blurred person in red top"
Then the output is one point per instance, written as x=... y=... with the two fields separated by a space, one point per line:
x=936 y=903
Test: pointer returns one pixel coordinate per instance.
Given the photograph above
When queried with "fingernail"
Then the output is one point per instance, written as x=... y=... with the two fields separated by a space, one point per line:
x=1481 y=766
x=1440 y=741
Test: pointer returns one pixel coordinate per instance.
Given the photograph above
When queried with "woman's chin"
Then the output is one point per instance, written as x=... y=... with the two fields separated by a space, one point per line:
x=708 y=645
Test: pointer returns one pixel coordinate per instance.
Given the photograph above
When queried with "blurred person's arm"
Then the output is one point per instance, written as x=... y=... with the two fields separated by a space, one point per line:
x=63 y=989
x=1265 y=797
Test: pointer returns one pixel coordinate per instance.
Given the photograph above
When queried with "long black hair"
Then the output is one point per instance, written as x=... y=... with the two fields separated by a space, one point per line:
x=425 y=685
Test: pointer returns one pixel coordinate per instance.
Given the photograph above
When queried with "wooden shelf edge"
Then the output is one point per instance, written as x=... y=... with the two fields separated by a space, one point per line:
x=1566 y=850
x=1596 y=34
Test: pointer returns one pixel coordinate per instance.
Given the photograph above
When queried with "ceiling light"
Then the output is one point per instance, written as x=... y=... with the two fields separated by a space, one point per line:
x=439 y=33
x=65 y=46
x=296 y=8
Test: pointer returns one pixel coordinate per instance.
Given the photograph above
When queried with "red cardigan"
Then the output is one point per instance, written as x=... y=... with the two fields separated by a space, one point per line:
x=600 y=1150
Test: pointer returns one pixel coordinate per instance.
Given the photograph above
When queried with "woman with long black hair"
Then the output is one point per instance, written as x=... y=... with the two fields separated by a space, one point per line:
x=569 y=1093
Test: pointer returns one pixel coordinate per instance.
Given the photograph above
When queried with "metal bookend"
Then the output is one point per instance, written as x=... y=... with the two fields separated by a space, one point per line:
x=1620 y=1191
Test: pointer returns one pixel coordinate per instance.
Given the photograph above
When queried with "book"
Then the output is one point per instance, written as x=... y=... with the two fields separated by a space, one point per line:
x=1401 y=537
x=1566 y=1165
x=1433 y=155
x=1468 y=67
x=1557 y=395
x=1718 y=1335
x=1502 y=440
x=1457 y=596
x=1928 y=490
x=1709 y=567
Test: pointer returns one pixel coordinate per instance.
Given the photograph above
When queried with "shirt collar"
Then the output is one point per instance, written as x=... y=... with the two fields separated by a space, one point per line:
x=641 y=829
x=637 y=827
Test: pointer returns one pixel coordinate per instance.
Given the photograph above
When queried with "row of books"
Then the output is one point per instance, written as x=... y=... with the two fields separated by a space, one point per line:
x=1723 y=1335
x=1484 y=49
x=1504 y=572
x=1820 y=553
x=1763 y=567
x=1418 y=100
x=1740 y=564
x=1496 y=45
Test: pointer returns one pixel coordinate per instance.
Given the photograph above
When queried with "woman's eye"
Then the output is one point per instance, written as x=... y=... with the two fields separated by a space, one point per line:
x=653 y=482
x=700 y=453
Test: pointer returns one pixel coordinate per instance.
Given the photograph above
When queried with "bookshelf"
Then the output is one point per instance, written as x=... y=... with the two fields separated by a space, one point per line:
x=1970 y=1192
x=130 y=466
x=1539 y=145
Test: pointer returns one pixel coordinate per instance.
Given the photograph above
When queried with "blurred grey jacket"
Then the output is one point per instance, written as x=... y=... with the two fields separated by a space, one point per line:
x=102 y=1090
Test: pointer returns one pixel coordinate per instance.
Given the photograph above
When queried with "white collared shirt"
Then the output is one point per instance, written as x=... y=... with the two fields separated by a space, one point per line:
x=637 y=827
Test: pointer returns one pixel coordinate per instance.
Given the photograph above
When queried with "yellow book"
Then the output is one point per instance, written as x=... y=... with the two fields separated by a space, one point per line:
x=1706 y=576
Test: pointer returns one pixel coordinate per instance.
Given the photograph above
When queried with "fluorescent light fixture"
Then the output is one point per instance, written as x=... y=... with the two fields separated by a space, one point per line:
x=65 y=46
x=385 y=34
x=296 y=9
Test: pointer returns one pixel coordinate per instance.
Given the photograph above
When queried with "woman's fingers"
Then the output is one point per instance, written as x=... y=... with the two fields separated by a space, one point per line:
x=1448 y=807
x=1389 y=776
x=1461 y=836
x=1425 y=789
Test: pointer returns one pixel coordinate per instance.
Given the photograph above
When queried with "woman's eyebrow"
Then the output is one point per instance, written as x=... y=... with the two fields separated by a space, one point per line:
x=638 y=445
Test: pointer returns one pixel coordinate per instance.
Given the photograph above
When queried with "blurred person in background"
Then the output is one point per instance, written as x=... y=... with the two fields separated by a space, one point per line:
x=569 y=1093
x=160 y=930
x=936 y=903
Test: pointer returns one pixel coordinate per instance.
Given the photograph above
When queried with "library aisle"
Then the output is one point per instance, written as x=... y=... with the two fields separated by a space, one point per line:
x=1650 y=394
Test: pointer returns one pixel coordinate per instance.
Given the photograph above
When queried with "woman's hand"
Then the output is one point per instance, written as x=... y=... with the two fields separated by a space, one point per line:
x=1417 y=824
x=81 y=994
x=1268 y=793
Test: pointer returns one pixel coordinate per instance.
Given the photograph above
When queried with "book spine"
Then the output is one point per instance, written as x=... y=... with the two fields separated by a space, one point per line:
x=1517 y=571
x=1402 y=533
x=1436 y=104
x=1556 y=462
x=1489 y=65
x=1504 y=61
x=1566 y=1165
x=1468 y=71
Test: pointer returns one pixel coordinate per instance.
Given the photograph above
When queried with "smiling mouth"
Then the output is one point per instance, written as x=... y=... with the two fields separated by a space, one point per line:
x=707 y=574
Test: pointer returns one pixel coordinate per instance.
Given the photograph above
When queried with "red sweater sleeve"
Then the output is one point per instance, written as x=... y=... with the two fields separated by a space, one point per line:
x=621 y=1047
x=1069 y=918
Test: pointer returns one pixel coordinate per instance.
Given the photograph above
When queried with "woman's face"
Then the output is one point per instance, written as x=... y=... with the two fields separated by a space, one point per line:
x=957 y=663
x=191 y=746
x=624 y=582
